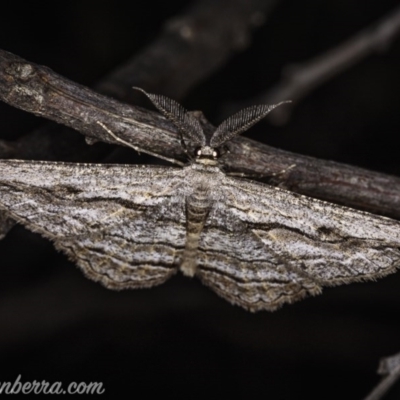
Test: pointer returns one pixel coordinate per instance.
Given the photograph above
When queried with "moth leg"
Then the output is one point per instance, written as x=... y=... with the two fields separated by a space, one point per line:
x=246 y=175
x=261 y=175
x=125 y=143
x=185 y=147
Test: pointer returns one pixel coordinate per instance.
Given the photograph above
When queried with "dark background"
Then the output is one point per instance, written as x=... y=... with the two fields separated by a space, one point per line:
x=180 y=339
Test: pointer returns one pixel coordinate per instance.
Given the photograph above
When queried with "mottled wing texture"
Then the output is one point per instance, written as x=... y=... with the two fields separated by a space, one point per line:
x=260 y=247
x=263 y=247
x=240 y=122
x=123 y=225
x=184 y=121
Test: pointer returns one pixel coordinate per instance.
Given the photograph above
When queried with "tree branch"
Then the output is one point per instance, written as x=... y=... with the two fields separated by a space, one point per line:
x=190 y=48
x=39 y=90
x=301 y=79
x=389 y=366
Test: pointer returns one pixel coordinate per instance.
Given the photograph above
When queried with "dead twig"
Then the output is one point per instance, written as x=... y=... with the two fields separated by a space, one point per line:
x=302 y=78
x=191 y=47
x=39 y=90
x=389 y=366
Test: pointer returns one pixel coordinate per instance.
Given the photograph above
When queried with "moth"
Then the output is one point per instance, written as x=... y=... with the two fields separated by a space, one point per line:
x=255 y=245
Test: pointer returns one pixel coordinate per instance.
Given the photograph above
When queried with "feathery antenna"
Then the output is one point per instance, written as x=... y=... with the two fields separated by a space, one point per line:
x=240 y=122
x=187 y=124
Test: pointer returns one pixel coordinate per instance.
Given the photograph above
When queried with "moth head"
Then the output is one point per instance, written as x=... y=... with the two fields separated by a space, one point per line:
x=207 y=155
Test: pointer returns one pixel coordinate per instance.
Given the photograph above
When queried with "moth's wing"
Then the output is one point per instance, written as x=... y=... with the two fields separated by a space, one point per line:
x=123 y=225
x=263 y=246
